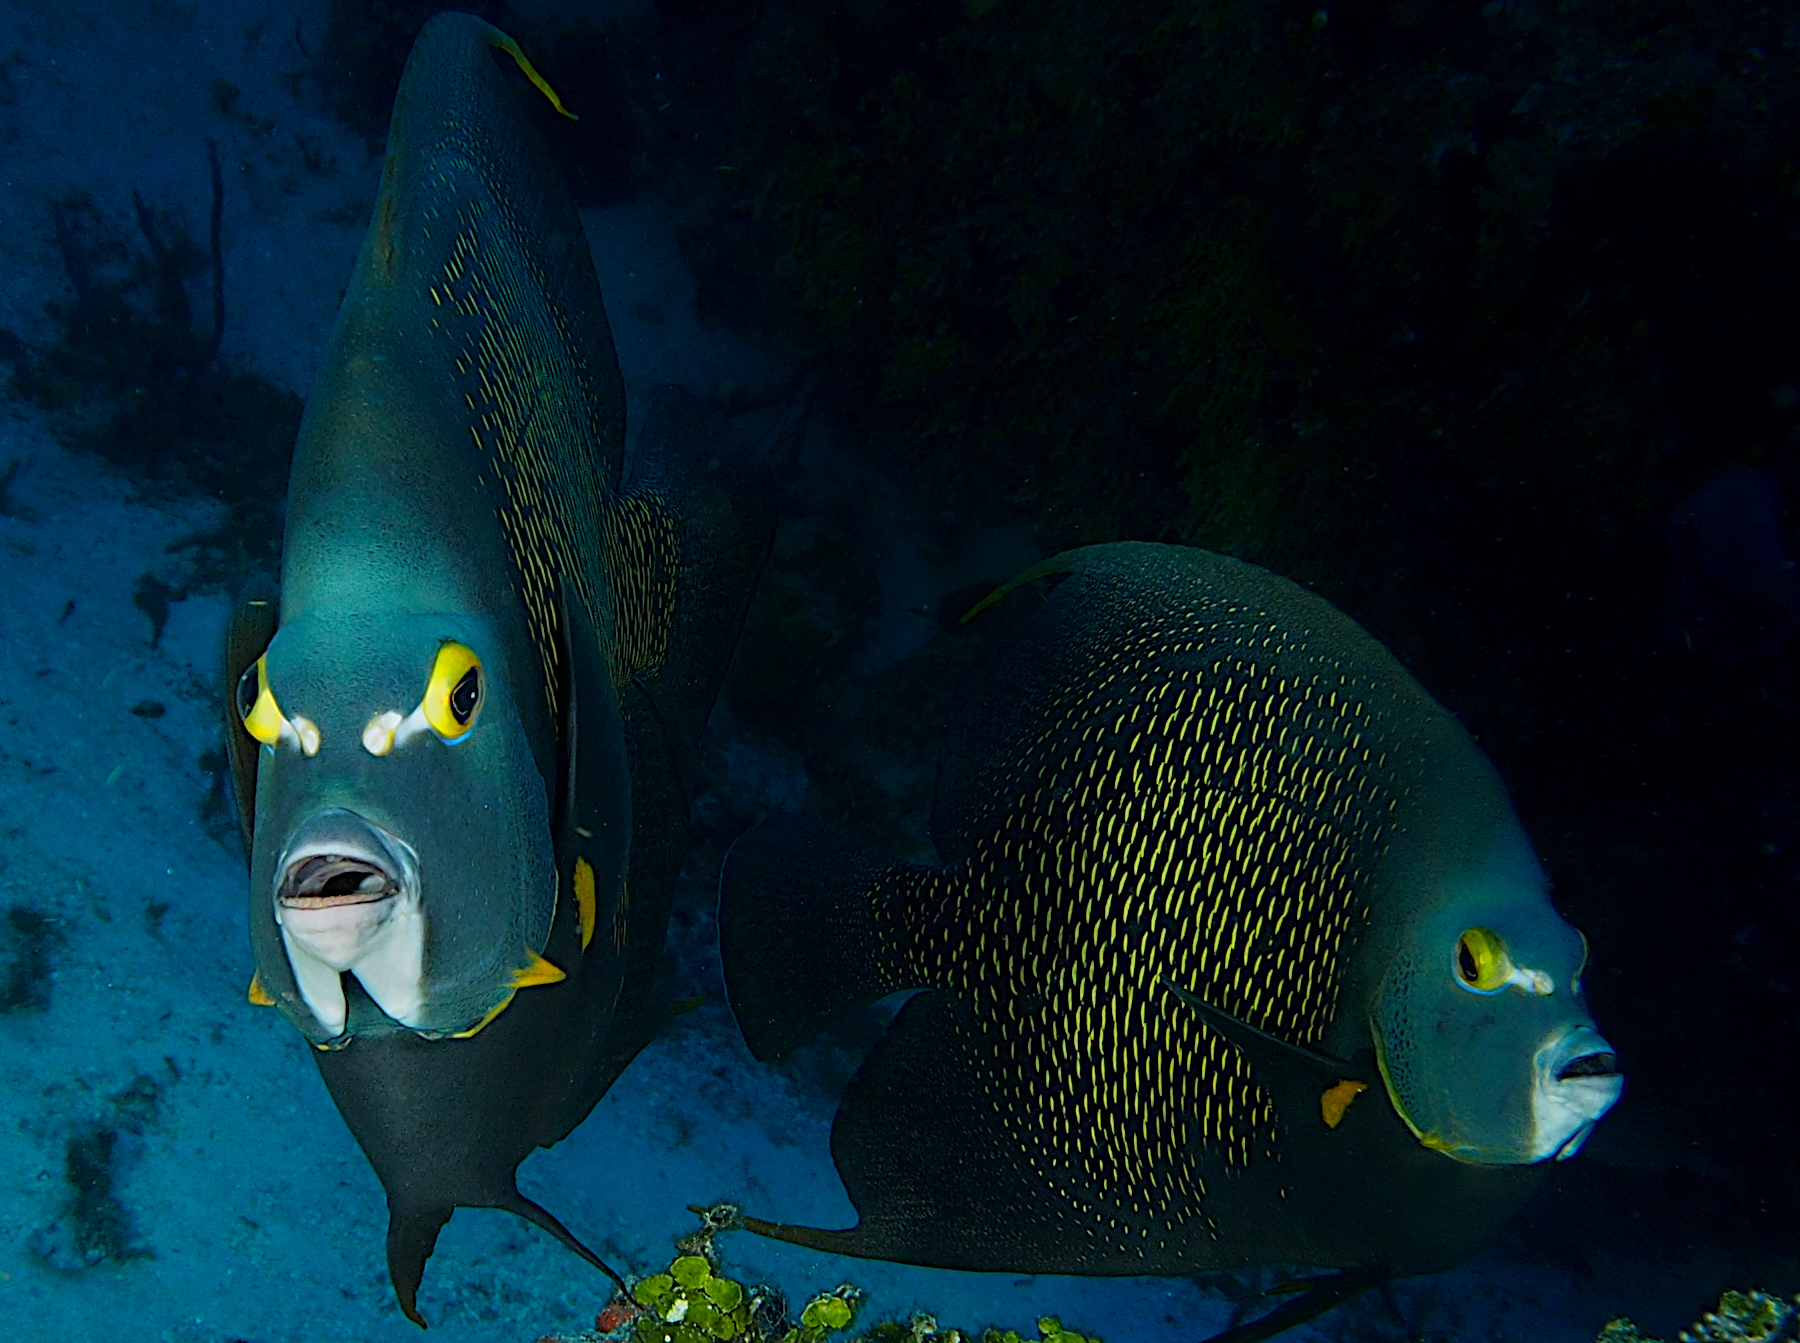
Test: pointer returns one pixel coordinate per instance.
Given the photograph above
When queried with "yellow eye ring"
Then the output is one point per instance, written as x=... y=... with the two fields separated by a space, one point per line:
x=1481 y=961
x=455 y=692
x=262 y=716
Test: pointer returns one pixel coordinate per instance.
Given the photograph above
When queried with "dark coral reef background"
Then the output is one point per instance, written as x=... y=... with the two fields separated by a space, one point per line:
x=1481 y=319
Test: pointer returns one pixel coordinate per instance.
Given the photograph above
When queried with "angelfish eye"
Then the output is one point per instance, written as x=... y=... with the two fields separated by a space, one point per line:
x=262 y=716
x=1482 y=962
x=464 y=698
x=453 y=696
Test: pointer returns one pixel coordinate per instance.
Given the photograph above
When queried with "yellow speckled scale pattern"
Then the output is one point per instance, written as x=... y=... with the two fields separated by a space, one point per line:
x=643 y=558
x=530 y=429
x=1194 y=809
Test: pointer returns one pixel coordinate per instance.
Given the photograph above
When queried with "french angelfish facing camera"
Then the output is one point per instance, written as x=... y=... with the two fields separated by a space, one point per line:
x=1238 y=955
x=456 y=742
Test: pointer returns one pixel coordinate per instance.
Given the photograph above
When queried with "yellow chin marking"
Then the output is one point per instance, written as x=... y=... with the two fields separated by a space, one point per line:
x=481 y=1025
x=258 y=994
x=584 y=899
x=1337 y=1099
x=1436 y=1143
x=540 y=971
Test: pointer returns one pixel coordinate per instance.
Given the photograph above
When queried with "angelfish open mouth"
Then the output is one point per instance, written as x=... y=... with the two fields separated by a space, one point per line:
x=1577 y=1081
x=348 y=902
x=328 y=879
x=1601 y=1063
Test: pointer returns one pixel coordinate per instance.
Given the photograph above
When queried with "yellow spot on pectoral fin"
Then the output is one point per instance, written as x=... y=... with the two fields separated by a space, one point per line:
x=511 y=48
x=584 y=899
x=540 y=971
x=1337 y=1099
x=258 y=994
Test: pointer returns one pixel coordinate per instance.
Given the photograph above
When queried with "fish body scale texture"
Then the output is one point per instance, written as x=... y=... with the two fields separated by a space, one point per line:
x=1209 y=800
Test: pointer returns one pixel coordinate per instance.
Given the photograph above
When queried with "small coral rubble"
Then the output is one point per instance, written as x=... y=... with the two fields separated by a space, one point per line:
x=1741 y=1317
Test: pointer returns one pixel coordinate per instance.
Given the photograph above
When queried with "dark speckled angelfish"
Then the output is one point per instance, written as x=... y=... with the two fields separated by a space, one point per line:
x=1238 y=955
x=456 y=738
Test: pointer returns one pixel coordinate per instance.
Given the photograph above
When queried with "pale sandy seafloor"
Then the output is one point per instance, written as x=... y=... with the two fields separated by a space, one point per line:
x=251 y=1213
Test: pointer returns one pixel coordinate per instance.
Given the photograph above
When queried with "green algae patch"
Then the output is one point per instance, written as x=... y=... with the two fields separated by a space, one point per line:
x=694 y=1300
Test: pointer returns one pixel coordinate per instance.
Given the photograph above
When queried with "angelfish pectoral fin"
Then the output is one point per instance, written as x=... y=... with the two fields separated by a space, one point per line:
x=1261 y=1047
x=1300 y=1080
x=593 y=833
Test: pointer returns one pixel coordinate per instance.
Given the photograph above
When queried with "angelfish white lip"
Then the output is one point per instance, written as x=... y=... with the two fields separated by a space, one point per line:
x=347 y=899
x=1575 y=1082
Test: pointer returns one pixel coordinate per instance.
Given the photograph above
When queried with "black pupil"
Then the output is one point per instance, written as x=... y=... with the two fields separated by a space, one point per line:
x=247 y=690
x=1465 y=961
x=462 y=699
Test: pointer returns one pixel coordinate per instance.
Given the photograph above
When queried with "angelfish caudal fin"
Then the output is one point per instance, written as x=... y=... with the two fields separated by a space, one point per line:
x=797 y=931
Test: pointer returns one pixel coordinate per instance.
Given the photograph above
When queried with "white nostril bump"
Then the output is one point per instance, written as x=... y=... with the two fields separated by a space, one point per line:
x=378 y=736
